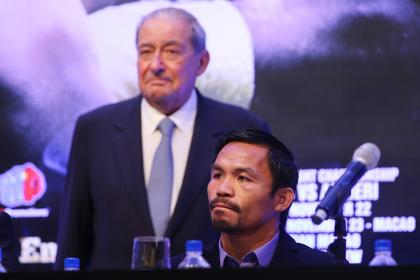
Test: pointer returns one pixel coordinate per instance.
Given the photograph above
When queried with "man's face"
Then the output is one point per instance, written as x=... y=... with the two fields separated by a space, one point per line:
x=167 y=63
x=239 y=191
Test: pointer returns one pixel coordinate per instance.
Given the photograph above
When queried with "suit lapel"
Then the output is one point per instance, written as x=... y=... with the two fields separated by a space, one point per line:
x=127 y=143
x=197 y=172
x=212 y=254
x=285 y=253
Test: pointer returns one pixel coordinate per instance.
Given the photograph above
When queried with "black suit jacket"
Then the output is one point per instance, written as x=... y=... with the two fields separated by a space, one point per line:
x=105 y=204
x=8 y=242
x=287 y=253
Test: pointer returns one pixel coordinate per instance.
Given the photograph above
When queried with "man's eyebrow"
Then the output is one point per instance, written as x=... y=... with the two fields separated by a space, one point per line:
x=142 y=45
x=215 y=166
x=247 y=170
x=168 y=43
x=172 y=43
x=250 y=171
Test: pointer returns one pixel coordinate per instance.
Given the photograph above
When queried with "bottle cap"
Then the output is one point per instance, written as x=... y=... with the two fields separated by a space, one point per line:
x=194 y=246
x=383 y=245
x=71 y=263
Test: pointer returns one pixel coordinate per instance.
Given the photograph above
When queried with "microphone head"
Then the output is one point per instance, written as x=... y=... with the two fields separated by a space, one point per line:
x=368 y=154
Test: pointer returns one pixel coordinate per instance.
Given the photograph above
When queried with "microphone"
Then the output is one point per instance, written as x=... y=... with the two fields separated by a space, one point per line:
x=365 y=157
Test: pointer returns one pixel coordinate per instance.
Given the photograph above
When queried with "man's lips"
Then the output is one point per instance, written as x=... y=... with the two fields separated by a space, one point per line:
x=221 y=205
x=158 y=81
x=224 y=203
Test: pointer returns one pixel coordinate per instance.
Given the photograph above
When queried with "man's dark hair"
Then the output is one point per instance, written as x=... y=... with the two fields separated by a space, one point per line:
x=281 y=161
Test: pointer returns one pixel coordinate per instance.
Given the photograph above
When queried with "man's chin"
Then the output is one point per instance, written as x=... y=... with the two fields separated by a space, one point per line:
x=160 y=98
x=223 y=226
x=157 y=93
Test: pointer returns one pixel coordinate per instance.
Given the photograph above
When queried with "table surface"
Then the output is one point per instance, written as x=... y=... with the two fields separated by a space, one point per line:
x=340 y=272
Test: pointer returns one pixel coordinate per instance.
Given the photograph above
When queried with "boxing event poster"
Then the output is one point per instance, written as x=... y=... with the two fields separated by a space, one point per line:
x=327 y=76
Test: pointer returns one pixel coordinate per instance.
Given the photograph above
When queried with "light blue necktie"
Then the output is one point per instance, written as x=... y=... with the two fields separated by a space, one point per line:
x=161 y=177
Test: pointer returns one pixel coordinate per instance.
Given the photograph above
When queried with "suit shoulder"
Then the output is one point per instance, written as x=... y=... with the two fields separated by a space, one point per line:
x=227 y=108
x=310 y=256
x=110 y=111
x=233 y=114
x=5 y=220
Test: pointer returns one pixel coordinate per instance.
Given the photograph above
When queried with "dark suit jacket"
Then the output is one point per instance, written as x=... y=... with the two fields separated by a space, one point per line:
x=8 y=242
x=287 y=253
x=105 y=204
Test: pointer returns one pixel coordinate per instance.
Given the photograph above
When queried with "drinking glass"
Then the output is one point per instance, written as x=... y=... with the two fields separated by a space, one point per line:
x=151 y=252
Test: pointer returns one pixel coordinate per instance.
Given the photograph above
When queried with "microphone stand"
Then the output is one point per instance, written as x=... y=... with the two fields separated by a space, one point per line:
x=338 y=246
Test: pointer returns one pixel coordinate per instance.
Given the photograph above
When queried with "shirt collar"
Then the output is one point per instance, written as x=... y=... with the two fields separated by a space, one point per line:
x=183 y=118
x=264 y=253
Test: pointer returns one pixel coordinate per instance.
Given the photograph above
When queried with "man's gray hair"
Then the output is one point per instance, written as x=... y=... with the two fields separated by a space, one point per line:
x=198 y=35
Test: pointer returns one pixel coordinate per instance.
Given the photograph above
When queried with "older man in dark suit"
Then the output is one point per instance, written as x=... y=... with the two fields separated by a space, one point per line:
x=116 y=172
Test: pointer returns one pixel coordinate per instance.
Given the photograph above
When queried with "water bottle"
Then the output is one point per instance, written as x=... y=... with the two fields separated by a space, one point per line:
x=2 y=268
x=71 y=264
x=193 y=258
x=383 y=254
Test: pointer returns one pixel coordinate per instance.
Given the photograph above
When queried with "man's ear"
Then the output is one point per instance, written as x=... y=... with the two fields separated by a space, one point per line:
x=204 y=62
x=283 y=198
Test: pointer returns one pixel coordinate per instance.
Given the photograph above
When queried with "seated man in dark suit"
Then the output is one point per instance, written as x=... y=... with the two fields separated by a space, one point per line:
x=7 y=241
x=252 y=185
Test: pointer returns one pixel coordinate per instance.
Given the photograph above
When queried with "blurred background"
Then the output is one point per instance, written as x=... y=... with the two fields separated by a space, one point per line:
x=327 y=75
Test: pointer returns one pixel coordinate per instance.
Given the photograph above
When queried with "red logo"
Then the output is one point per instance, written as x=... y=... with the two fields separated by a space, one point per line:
x=22 y=185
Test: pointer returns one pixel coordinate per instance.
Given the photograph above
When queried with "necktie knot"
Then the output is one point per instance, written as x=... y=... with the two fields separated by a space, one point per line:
x=250 y=260
x=230 y=262
x=166 y=126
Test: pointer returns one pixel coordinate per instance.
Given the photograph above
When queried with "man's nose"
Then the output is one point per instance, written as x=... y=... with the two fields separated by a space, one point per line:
x=157 y=65
x=225 y=188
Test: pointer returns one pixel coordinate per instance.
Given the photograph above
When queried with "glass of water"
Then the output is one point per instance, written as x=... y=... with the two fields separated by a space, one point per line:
x=151 y=252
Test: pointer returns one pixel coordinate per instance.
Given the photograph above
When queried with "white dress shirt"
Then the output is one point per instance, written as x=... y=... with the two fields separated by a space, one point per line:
x=184 y=120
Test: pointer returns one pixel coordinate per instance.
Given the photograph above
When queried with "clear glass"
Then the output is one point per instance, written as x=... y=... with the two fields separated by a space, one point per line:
x=151 y=252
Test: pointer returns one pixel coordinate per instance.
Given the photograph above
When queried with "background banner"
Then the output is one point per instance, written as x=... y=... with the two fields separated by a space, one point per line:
x=327 y=76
